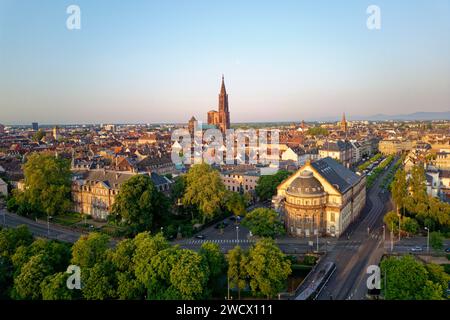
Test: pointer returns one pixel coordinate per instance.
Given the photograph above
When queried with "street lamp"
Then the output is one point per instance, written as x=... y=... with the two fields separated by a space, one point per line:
x=48 y=226
x=428 y=240
x=237 y=234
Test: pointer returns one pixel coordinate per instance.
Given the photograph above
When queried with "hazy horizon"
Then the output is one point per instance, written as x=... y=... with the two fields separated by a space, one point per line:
x=161 y=61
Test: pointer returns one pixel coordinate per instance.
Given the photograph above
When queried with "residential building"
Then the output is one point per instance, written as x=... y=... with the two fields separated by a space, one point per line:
x=340 y=150
x=94 y=191
x=395 y=146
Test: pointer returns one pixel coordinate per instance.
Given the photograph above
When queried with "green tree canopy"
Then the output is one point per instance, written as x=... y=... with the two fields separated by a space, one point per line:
x=263 y=222
x=99 y=281
x=89 y=250
x=147 y=247
x=237 y=273
x=11 y=239
x=436 y=240
x=235 y=203
x=216 y=262
x=139 y=204
x=38 y=135
x=399 y=189
x=27 y=283
x=268 y=268
x=408 y=279
x=190 y=274
x=54 y=287
x=317 y=131
x=47 y=184
x=267 y=184
x=204 y=190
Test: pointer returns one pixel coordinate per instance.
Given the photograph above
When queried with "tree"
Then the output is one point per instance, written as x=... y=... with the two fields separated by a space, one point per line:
x=147 y=247
x=204 y=190
x=47 y=183
x=11 y=239
x=99 y=281
x=391 y=221
x=189 y=276
x=399 y=189
x=236 y=269
x=38 y=135
x=139 y=203
x=407 y=279
x=54 y=287
x=268 y=268
x=89 y=250
x=27 y=283
x=235 y=203
x=6 y=278
x=128 y=287
x=267 y=184
x=410 y=225
x=263 y=222
x=437 y=274
x=216 y=263
x=436 y=240
x=317 y=131
x=160 y=286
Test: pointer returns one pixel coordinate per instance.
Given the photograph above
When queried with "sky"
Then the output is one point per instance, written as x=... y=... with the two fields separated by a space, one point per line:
x=140 y=61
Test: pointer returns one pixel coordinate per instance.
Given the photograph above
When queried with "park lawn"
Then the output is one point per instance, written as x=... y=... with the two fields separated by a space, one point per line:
x=68 y=219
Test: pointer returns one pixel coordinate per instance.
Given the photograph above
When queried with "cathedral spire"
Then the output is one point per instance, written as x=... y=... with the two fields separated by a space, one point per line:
x=222 y=88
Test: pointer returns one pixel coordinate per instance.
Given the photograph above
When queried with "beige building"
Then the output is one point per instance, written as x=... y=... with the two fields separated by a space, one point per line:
x=388 y=147
x=240 y=180
x=443 y=160
x=322 y=196
x=94 y=191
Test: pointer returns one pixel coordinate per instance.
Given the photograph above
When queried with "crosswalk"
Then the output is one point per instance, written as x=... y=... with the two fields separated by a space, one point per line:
x=218 y=241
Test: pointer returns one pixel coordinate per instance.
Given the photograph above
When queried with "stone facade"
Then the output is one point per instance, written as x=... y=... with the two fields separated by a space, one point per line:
x=322 y=196
x=221 y=118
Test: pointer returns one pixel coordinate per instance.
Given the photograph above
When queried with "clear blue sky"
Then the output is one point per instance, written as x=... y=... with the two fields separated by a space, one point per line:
x=161 y=61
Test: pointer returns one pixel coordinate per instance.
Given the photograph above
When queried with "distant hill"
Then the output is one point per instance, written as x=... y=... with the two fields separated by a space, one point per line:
x=421 y=116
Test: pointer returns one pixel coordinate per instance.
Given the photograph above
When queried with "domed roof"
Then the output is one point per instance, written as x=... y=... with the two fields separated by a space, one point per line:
x=305 y=184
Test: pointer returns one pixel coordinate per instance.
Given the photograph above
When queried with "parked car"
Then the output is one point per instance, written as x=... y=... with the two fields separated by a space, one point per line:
x=200 y=236
x=447 y=250
x=416 y=249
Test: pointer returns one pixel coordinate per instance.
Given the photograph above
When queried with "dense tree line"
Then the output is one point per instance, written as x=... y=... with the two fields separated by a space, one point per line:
x=414 y=204
x=406 y=278
x=144 y=267
x=47 y=187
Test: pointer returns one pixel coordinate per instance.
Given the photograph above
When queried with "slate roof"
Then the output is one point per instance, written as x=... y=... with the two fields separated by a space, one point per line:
x=336 y=174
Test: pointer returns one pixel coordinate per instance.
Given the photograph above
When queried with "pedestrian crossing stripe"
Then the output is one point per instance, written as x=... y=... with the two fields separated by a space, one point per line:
x=221 y=241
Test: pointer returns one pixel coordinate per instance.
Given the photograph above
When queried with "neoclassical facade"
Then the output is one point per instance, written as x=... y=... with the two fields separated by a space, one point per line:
x=322 y=196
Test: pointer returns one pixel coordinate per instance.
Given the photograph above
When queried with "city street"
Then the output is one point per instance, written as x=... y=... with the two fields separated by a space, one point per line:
x=39 y=229
x=364 y=248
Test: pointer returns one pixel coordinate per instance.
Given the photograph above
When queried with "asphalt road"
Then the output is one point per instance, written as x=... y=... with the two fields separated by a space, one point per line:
x=39 y=229
x=364 y=247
